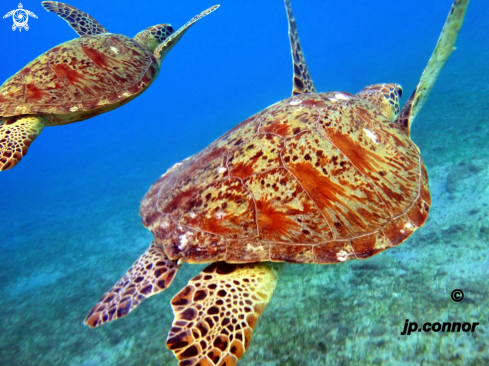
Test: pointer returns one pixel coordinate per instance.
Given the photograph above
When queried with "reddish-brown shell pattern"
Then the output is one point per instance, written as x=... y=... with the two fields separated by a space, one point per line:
x=80 y=78
x=319 y=178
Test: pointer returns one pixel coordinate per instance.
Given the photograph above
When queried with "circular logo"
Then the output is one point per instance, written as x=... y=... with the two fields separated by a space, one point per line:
x=457 y=295
x=20 y=17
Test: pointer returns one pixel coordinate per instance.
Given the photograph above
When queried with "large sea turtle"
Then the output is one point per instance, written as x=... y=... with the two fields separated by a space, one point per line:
x=315 y=178
x=80 y=79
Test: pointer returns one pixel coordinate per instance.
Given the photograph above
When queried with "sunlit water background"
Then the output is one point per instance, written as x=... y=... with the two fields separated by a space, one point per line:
x=69 y=224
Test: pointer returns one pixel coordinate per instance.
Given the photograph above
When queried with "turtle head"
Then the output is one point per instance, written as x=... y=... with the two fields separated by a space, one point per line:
x=153 y=36
x=385 y=97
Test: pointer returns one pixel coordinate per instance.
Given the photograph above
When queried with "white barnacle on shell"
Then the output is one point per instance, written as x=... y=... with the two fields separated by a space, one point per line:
x=184 y=240
x=341 y=96
x=250 y=248
x=171 y=168
x=371 y=135
x=73 y=109
x=176 y=165
x=222 y=170
x=193 y=215
x=220 y=215
x=165 y=224
x=295 y=101
x=115 y=50
x=342 y=255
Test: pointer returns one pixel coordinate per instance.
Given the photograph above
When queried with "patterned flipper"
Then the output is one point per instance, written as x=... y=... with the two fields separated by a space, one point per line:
x=443 y=49
x=163 y=49
x=82 y=23
x=215 y=314
x=153 y=272
x=16 y=135
x=302 y=82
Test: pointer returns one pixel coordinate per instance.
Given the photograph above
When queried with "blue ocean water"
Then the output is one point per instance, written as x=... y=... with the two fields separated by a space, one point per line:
x=69 y=224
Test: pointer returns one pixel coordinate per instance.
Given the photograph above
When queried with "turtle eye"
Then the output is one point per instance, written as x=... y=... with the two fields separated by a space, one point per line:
x=161 y=32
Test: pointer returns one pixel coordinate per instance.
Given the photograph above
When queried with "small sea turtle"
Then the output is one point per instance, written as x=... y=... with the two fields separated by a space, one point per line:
x=80 y=79
x=315 y=178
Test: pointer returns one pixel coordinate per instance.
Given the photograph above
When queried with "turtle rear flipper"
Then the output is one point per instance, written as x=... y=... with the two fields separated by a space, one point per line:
x=153 y=272
x=215 y=314
x=162 y=50
x=440 y=55
x=82 y=23
x=16 y=135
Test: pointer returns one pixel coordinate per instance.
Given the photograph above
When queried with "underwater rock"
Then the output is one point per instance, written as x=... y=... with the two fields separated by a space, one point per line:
x=459 y=174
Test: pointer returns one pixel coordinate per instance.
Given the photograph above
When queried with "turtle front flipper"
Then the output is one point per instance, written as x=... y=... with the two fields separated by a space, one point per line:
x=16 y=135
x=82 y=23
x=153 y=272
x=302 y=82
x=215 y=314
x=162 y=50
x=440 y=55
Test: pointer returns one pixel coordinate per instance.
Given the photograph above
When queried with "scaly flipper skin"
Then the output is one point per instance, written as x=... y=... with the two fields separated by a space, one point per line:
x=16 y=135
x=153 y=272
x=440 y=55
x=385 y=97
x=162 y=50
x=302 y=82
x=215 y=314
x=82 y=23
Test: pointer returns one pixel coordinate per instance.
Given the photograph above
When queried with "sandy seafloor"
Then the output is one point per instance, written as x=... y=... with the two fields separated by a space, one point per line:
x=69 y=224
